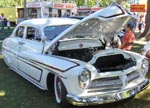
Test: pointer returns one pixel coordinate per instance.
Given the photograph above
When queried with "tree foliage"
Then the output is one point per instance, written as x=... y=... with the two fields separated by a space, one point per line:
x=91 y=3
x=7 y=3
x=80 y=2
x=104 y=3
x=11 y=3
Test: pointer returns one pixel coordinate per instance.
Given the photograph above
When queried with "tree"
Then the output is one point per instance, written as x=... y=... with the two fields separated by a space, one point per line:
x=80 y=2
x=146 y=32
x=18 y=2
x=7 y=3
x=25 y=10
x=124 y=3
x=11 y=3
x=104 y=3
x=91 y=3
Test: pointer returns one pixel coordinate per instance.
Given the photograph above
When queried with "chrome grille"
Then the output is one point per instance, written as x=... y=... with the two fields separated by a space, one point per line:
x=132 y=76
x=113 y=83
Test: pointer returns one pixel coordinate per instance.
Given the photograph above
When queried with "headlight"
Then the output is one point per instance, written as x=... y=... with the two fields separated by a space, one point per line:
x=84 y=78
x=145 y=66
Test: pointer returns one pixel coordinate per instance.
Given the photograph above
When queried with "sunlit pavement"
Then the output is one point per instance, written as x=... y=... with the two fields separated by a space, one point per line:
x=141 y=41
x=137 y=34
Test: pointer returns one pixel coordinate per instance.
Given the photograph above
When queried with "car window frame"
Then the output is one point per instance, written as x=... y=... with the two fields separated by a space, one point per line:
x=17 y=30
x=56 y=34
x=33 y=38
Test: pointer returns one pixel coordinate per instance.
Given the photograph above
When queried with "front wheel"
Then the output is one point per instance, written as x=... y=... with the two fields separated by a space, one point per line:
x=60 y=92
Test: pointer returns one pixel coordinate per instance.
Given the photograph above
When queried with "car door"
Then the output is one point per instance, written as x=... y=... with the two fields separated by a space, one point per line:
x=13 y=44
x=32 y=41
x=32 y=46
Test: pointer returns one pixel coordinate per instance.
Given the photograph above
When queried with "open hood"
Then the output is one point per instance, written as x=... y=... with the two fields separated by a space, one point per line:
x=103 y=24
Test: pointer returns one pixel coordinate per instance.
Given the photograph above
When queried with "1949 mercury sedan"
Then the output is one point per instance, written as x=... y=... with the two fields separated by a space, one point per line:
x=76 y=58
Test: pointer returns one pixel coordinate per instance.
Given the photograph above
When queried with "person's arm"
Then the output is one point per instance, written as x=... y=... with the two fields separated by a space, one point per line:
x=122 y=45
x=125 y=42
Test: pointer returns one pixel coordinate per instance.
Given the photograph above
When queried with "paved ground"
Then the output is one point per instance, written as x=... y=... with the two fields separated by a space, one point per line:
x=141 y=40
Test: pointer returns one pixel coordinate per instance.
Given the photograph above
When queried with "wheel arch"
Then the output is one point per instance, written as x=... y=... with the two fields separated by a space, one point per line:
x=50 y=81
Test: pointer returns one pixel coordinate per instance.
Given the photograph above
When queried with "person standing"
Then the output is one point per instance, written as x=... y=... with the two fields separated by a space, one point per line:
x=140 y=23
x=72 y=14
x=8 y=26
x=2 y=18
x=128 y=38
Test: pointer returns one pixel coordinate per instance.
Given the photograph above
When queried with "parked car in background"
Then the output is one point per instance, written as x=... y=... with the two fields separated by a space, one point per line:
x=76 y=58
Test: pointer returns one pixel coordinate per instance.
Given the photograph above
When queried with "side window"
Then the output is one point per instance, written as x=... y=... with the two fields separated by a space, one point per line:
x=20 y=32
x=33 y=34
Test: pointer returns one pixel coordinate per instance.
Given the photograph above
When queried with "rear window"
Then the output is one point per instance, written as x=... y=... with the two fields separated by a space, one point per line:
x=53 y=31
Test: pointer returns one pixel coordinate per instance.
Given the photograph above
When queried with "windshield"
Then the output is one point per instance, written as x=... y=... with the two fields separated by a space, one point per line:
x=52 y=31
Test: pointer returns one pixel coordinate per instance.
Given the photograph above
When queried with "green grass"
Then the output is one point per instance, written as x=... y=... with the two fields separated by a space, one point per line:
x=16 y=92
x=0 y=45
x=137 y=47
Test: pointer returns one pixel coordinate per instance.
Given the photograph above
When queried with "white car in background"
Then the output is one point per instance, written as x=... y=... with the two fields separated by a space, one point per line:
x=76 y=58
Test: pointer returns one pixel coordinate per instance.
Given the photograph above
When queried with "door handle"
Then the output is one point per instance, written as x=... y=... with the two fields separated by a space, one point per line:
x=21 y=43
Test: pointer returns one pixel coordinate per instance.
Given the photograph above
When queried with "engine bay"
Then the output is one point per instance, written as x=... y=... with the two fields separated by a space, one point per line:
x=80 y=54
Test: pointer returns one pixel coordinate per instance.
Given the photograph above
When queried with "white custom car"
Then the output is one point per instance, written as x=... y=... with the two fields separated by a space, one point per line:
x=77 y=58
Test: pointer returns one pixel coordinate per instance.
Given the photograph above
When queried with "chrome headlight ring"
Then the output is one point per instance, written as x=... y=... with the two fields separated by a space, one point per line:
x=84 y=78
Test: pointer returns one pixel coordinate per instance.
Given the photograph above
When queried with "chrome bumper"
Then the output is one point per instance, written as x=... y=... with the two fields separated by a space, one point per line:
x=110 y=97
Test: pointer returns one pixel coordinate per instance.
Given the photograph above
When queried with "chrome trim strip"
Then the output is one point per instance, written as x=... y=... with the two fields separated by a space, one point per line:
x=46 y=65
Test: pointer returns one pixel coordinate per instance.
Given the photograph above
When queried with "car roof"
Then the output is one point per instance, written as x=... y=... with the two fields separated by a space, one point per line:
x=49 y=21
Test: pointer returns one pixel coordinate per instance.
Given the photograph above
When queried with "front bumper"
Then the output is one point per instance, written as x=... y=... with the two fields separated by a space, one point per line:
x=110 y=97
